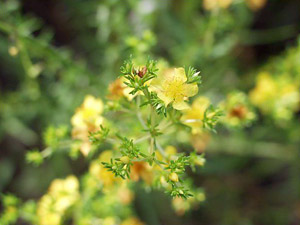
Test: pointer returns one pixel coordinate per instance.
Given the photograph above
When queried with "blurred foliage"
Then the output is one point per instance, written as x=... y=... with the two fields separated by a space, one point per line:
x=55 y=54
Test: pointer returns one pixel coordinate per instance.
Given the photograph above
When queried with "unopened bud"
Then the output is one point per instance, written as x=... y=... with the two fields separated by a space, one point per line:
x=173 y=177
x=141 y=72
x=125 y=159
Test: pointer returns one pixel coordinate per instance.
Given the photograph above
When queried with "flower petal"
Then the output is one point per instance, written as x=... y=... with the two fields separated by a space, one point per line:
x=179 y=74
x=180 y=105
x=164 y=98
x=190 y=89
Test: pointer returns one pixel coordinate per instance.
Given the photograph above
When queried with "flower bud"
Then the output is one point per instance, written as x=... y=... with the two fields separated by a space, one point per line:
x=141 y=72
x=173 y=177
x=200 y=161
x=125 y=159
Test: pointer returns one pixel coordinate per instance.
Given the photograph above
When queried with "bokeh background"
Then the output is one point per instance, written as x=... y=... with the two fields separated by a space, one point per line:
x=54 y=52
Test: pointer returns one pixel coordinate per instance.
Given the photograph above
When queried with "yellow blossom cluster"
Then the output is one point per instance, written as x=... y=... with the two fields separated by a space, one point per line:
x=277 y=96
x=61 y=196
x=87 y=118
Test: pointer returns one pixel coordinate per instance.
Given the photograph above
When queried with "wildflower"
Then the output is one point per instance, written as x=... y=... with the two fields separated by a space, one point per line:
x=171 y=87
x=87 y=119
x=62 y=194
x=193 y=117
x=215 y=4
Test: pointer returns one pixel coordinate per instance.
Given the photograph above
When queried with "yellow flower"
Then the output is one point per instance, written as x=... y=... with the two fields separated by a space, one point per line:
x=142 y=170
x=62 y=194
x=265 y=91
x=256 y=4
x=193 y=117
x=171 y=87
x=87 y=118
x=118 y=89
x=278 y=96
x=214 y=4
x=97 y=170
x=46 y=213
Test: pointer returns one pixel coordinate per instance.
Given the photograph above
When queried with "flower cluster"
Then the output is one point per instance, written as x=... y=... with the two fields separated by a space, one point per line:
x=87 y=119
x=61 y=196
x=159 y=101
x=276 y=96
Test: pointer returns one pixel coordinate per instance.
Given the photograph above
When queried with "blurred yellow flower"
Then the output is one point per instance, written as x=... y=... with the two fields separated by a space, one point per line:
x=104 y=176
x=200 y=141
x=62 y=194
x=87 y=118
x=142 y=170
x=193 y=117
x=118 y=89
x=170 y=154
x=171 y=87
x=277 y=96
x=214 y=4
x=125 y=195
x=181 y=205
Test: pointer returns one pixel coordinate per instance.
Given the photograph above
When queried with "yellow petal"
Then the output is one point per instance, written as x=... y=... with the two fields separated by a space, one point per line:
x=179 y=74
x=90 y=102
x=164 y=98
x=190 y=89
x=180 y=105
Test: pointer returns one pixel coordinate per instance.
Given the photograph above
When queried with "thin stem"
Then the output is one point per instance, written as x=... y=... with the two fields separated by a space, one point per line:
x=160 y=149
x=142 y=139
x=138 y=113
x=46 y=152
x=152 y=140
